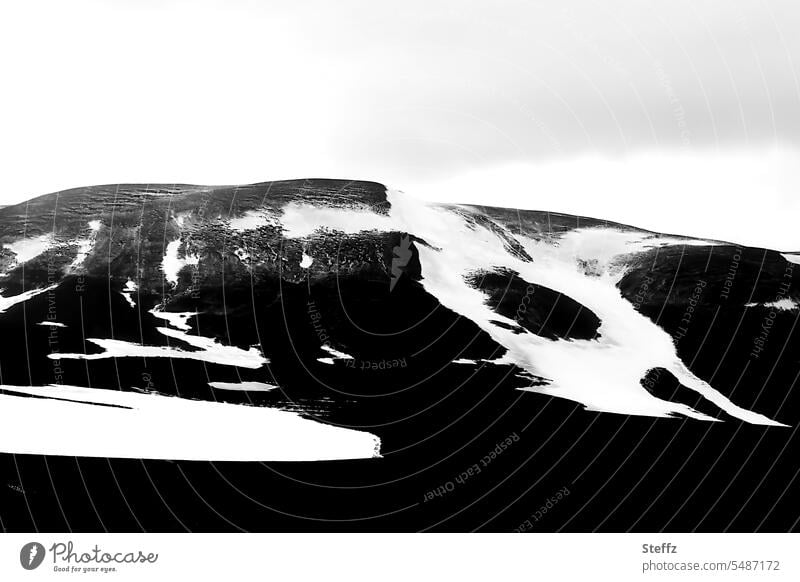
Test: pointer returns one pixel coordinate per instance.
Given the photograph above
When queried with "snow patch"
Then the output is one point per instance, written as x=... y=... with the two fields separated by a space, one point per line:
x=175 y=319
x=143 y=426
x=180 y=218
x=250 y=220
x=29 y=248
x=306 y=262
x=792 y=257
x=784 y=304
x=172 y=264
x=128 y=291
x=602 y=249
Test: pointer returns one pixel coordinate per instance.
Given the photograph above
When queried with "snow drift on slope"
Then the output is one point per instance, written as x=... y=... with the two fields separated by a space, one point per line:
x=603 y=374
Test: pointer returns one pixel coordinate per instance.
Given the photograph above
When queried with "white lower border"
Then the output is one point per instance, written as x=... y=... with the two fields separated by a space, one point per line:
x=415 y=557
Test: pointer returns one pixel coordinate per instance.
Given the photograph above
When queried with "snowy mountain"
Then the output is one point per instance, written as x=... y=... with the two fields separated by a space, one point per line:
x=317 y=320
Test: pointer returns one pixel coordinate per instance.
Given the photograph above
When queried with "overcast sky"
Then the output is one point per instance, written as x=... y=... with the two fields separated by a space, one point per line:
x=674 y=115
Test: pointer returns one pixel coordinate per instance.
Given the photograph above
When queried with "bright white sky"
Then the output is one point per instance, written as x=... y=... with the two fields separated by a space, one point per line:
x=681 y=116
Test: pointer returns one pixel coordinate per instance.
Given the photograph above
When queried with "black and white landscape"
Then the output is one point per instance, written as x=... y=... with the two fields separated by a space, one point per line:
x=334 y=355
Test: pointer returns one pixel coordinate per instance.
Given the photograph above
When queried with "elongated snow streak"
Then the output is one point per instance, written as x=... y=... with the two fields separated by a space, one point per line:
x=208 y=350
x=51 y=324
x=336 y=353
x=604 y=374
x=134 y=425
x=85 y=245
x=243 y=386
x=8 y=302
x=299 y=220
